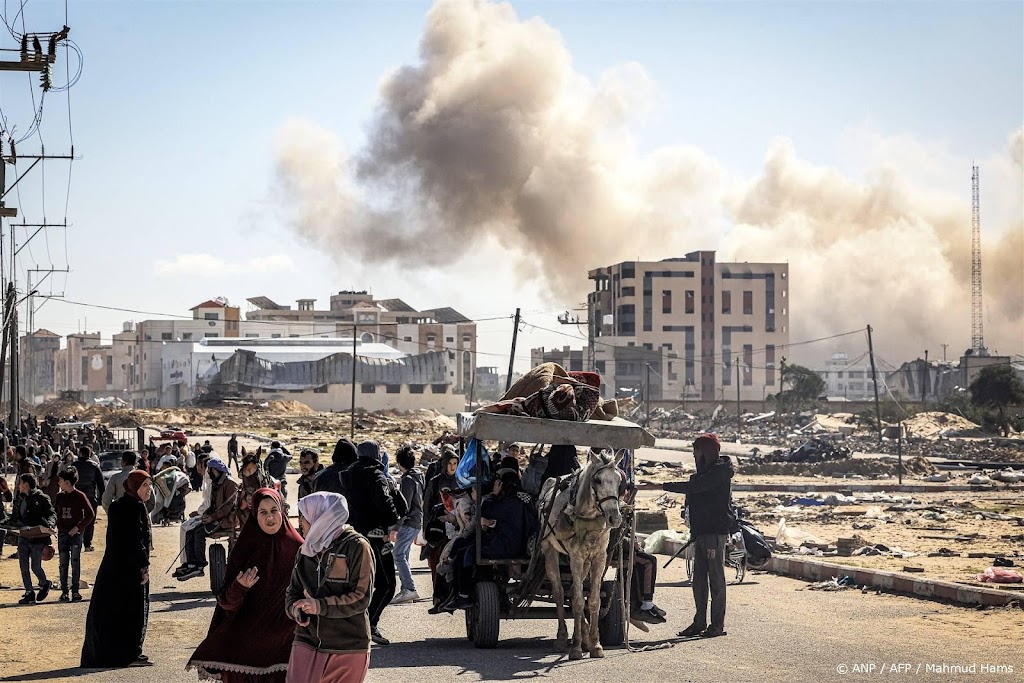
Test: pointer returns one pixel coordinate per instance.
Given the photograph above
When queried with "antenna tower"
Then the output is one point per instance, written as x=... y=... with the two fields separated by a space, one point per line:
x=977 y=325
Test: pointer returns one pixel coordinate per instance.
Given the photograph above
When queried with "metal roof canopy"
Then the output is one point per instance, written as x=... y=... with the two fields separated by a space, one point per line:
x=616 y=433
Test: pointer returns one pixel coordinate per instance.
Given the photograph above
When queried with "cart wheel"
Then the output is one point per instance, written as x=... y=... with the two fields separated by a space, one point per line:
x=470 y=620
x=487 y=615
x=611 y=627
x=218 y=567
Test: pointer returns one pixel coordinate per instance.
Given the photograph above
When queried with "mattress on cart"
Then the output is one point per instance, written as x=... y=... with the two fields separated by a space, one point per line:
x=616 y=433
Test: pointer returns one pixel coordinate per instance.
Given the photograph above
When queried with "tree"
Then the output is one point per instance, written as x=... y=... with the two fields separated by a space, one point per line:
x=804 y=387
x=997 y=386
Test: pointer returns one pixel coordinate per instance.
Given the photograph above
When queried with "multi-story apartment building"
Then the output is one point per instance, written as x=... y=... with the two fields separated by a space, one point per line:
x=852 y=380
x=36 y=360
x=694 y=322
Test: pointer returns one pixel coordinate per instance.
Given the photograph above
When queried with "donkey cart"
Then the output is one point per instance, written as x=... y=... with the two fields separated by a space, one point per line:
x=510 y=589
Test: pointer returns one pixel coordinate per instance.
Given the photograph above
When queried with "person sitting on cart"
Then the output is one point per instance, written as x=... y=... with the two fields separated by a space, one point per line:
x=217 y=517
x=562 y=460
x=170 y=486
x=508 y=524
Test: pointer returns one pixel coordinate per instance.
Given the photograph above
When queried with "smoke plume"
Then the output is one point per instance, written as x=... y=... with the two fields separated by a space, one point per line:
x=493 y=135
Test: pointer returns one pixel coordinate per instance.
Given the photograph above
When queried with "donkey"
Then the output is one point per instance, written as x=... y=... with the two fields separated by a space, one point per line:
x=577 y=521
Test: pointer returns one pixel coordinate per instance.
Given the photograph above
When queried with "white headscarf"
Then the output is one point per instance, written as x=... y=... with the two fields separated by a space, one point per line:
x=326 y=514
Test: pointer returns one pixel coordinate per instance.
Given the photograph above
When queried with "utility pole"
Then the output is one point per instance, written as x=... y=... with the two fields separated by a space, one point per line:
x=924 y=378
x=352 y=427
x=782 y=393
x=647 y=391
x=738 y=427
x=874 y=381
x=512 y=355
x=944 y=352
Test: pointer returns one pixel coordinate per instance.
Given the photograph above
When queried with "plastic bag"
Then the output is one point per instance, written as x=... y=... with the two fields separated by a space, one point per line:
x=999 y=575
x=465 y=473
x=655 y=543
x=794 y=537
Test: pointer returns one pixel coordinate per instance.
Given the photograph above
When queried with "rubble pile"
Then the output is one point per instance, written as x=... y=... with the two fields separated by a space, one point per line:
x=854 y=468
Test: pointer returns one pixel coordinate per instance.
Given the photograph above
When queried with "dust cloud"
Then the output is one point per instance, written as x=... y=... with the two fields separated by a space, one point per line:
x=492 y=134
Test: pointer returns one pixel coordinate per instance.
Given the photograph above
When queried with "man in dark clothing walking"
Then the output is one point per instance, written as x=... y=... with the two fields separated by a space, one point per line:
x=33 y=508
x=372 y=512
x=90 y=482
x=709 y=498
x=329 y=478
x=233 y=453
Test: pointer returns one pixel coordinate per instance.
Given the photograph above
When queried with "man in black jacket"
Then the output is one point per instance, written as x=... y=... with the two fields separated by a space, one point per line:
x=709 y=498
x=372 y=511
x=329 y=478
x=33 y=508
x=90 y=482
x=276 y=464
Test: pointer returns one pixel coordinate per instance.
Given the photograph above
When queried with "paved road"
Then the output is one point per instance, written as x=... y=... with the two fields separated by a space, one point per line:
x=777 y=632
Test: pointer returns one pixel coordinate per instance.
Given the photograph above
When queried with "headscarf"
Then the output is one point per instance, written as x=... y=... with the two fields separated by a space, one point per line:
x=711 y=440
x=133 y=482
x=217 y=465
x=259 y=620
x=326 y=514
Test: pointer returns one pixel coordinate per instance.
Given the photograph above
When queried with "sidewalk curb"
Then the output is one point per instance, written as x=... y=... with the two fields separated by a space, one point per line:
x=876 y=488
x=896 y=582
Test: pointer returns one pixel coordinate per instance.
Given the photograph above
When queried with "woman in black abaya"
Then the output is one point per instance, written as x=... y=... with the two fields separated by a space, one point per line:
x=119 y=607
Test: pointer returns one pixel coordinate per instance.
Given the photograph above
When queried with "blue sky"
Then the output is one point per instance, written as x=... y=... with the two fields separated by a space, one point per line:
x=179 y=103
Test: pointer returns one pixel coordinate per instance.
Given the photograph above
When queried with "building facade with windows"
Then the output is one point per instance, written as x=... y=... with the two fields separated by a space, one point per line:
x=693 y=323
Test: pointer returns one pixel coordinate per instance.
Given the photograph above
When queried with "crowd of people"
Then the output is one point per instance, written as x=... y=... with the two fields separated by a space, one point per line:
x=313 y=597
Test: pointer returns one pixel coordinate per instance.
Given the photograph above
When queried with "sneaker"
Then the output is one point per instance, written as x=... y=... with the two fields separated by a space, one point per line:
x=88 y=549
x=377 y=637
x=44 y=591
x=182 y=569
x=141 y=661
x=191 y=574
x=29 y=598
x=692 y=631
x=713 y=632
x=76 y=597
x=405 y=596
x=64 y=597
x=436 y=609
x=648 y=615
x=660 y=611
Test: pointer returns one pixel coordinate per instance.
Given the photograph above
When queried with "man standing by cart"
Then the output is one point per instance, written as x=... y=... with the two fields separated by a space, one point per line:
x=709 y=498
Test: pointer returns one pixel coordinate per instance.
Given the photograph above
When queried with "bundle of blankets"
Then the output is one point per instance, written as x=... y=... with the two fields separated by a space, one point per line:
x=549 y=391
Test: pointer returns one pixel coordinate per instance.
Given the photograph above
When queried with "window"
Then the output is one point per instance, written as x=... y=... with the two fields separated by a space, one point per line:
x=839 y=374
x=748 y=302
x=408 y=339
x=666 y=301
x=85 y=370
x=769 y=358
x=648 y=347
x=628 y=270
x=394 y=388
x=416 y=388
x=292 y=335
x=275 y=336
x=449 y=340
x=629 y=291
x=295 y=391
x=110 y=370
x=166 y=336
x=748 y=362
x=186 y=335
x=368 y=388
x=320 y=390
x=467 y=338
x=210 y=316
x=688 y=302
x=211 y=335
x=439 y=388
x=726 y=302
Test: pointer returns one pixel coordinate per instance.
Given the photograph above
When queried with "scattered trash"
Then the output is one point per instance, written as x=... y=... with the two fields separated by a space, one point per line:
x=655 y=543
x=941 y=477
x=794 y=537
x=998 y=575
x=1002 y=562
x=913 y=570
x=1009 y=476
x=980 y=480
x=833 y=584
